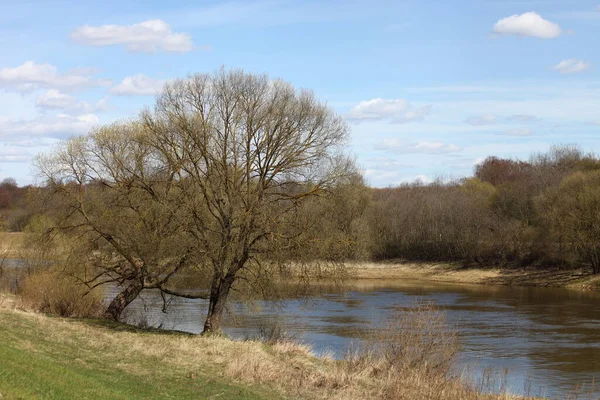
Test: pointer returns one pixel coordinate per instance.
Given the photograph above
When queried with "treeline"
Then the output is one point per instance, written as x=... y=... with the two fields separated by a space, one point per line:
x=543 y=212
x=16 y=205
x=15 y=208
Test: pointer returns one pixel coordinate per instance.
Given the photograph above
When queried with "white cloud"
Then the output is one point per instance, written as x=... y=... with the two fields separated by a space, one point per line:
x=54 y=99
x=32 y=76
x=522 y=118
x=490 y=119
x=10 y=154
x=387 y=163
x=463 y=163
x=397 y=146
x=518 y=132
x=395 y=110
x=59 y=126
x=148 y=36
x=421 y=178
x=527 y=24
x=571 y=66
x=138 y=85
x=487 y=119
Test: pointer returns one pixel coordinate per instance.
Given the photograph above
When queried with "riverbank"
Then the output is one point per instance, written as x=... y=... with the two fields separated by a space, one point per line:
x=12 y=245
x=49 y=357
x=458 y=273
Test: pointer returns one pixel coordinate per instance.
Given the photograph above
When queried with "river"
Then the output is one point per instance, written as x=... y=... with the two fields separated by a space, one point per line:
x=535 y=341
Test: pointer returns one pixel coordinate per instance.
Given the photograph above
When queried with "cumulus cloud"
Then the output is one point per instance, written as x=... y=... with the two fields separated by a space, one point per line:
x=54 y=99
x=395 y=110
x=571 y=66
x=518 y=132
x=487 y=119
x=148 y=37
x=138 y=85
x=59 y=126
x=421 y=178
x=527 y=24
x=397 y=146
x=32 y=76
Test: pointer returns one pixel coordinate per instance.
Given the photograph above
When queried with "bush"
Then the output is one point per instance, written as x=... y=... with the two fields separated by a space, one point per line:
x=53 y=292
x=415 y=338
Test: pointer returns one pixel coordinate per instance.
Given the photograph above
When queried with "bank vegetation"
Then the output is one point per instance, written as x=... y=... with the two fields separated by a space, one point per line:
x=94 y=358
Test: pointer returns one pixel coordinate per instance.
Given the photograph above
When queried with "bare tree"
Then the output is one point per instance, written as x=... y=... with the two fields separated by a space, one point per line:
x=245 y=152
x=108 y=194
x=574 y=214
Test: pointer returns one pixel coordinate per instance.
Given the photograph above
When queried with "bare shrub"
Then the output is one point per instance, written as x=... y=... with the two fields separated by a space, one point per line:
x=417 y=337
x=272 y=331
x=53 y=292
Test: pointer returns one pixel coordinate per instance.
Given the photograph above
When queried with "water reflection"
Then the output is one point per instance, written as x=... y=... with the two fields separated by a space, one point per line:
x=549 y=339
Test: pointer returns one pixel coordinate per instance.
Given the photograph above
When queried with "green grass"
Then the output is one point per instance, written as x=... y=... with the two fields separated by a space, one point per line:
x=52 y=358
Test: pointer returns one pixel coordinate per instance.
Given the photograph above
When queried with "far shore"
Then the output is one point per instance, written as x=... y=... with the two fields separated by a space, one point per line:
x=12 y=243
x=458 y=273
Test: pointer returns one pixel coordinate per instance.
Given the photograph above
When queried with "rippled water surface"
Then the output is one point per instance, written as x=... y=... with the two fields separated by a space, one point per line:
x=547 y=339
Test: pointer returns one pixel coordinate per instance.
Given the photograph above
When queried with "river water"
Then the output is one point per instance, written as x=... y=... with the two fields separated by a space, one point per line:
x=535 y=341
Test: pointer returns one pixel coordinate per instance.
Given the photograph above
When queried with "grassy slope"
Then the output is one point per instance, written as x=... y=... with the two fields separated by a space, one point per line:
x=56 y=358
x=51 y=358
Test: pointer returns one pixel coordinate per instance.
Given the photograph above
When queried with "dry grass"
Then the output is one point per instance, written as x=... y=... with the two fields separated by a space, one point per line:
x=455 y=273
x=286 y=367
x=410 y=358
x=440 y=272
x=8 y=301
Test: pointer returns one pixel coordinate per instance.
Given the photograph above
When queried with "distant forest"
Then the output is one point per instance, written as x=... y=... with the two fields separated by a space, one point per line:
x=542 y=212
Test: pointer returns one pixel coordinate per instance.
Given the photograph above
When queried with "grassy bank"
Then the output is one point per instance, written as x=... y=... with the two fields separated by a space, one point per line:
x=53 y=358
x=56 y=358
x=457 y=273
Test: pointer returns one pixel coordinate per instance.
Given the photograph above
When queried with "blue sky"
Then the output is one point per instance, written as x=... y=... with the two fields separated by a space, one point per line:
x=429 y=88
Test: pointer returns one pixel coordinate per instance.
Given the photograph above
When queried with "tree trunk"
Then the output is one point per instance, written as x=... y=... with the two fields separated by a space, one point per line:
x=218 y=297
x=123 y=299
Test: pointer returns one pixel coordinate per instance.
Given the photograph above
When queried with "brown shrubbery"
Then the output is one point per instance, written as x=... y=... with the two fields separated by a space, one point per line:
x=51 y=291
